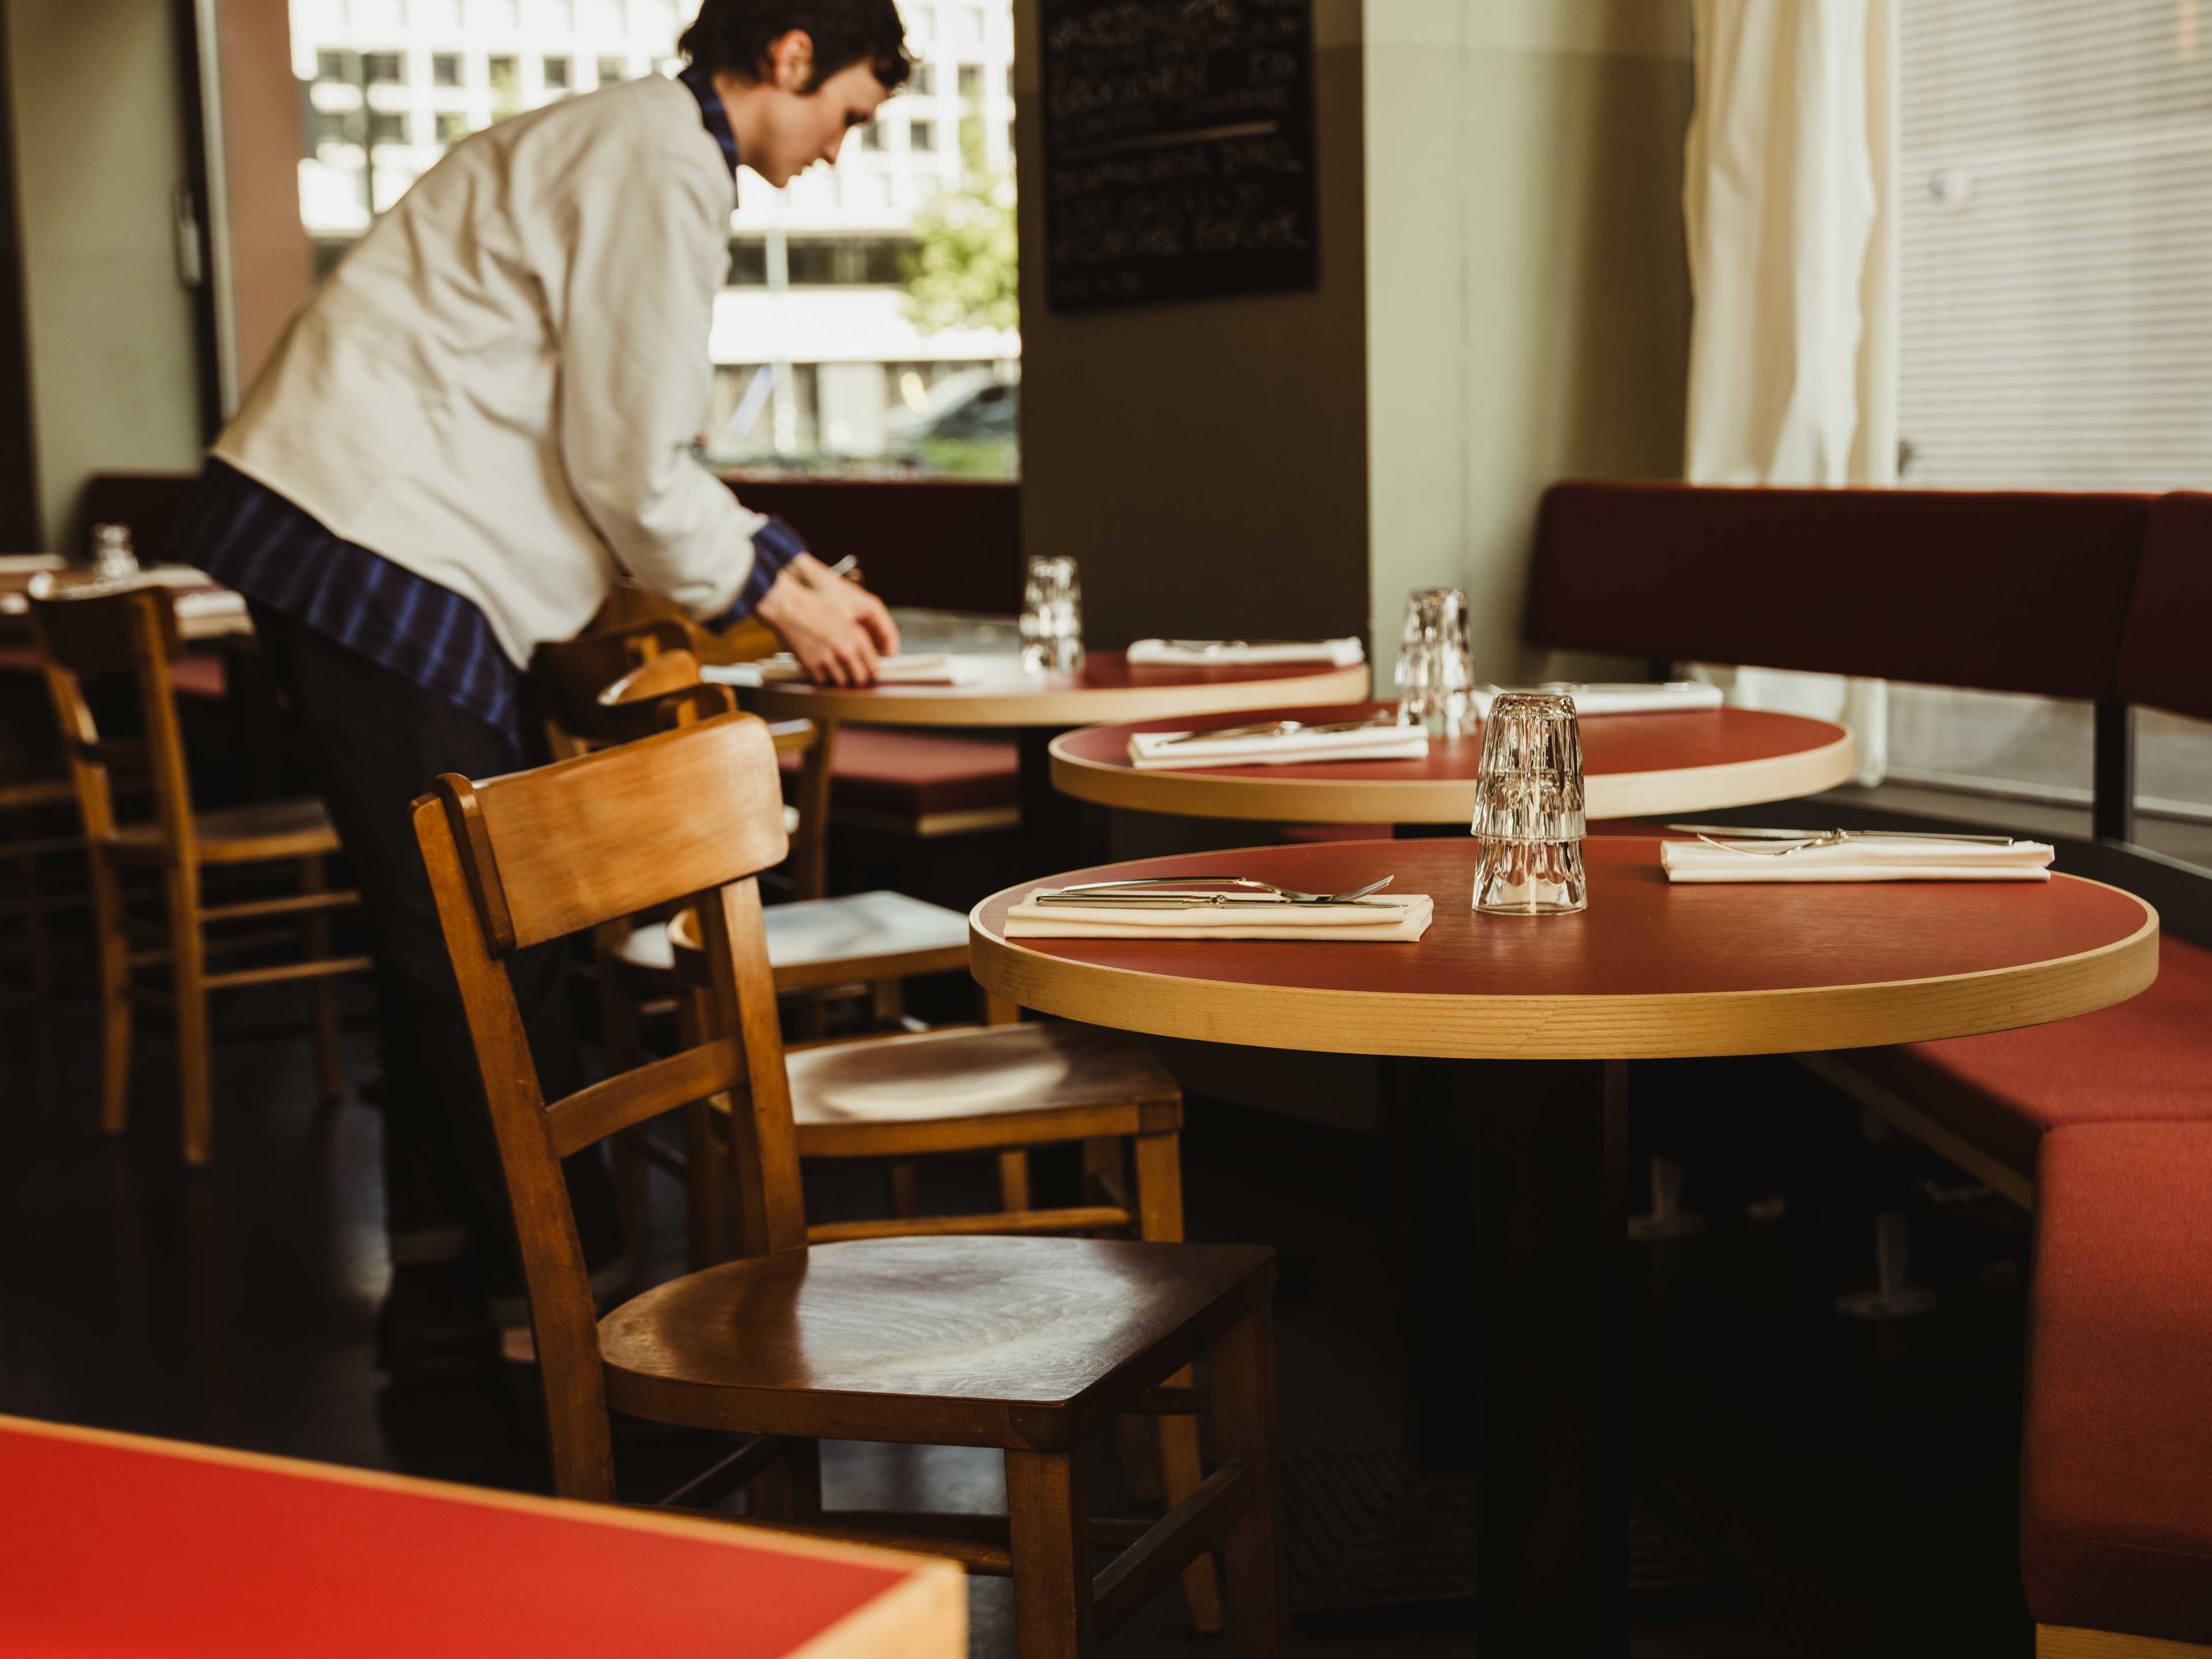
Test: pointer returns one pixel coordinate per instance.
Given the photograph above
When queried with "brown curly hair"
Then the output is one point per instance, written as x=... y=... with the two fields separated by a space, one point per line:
x=736 y=35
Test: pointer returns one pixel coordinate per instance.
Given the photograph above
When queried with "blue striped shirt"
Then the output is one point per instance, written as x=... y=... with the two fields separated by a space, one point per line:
x=251 y=538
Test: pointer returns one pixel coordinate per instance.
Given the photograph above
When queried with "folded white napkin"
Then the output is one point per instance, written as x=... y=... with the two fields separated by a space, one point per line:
x=1858 y=860
x=1203 y=653
x=1158 y=752
x=216 y=602
x=1400 y=920
x=1669 y=697
x=940 y=670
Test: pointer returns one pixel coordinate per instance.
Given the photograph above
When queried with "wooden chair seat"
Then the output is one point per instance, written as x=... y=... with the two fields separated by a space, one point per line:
x=947 y=1342
x=864 y=1098
x=242 y=834
x=830 y=941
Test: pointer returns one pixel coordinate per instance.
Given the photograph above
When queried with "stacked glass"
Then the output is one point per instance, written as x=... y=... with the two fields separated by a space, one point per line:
x=1529 y=823
x=1436 y=665
x=1052 y=616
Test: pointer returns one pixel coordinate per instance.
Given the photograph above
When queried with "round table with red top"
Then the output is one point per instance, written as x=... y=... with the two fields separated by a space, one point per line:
x=1039 y=707
x=1633 y=765
x=1512 y=1036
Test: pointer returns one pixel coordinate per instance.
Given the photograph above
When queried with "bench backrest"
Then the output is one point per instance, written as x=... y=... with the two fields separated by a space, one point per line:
x=1998 y=591
x=2163 y=655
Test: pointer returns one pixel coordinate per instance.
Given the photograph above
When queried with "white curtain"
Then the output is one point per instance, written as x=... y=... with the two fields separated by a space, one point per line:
x=1790 y=195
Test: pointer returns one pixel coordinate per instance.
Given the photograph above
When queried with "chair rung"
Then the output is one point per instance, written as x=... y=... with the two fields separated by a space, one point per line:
x=323 y=968
x=712 y=1485
x=1177 y=1538
x=1083 y=1219
x=290 y=904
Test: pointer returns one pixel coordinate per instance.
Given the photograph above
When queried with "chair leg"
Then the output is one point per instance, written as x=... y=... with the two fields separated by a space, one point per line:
x=1014 y=1181
x=789 y=1489
x=114 y=992
x=905 y=1191
x=1242 y=1368
x=188 y=961
x=1177 y=1458
x=1047 y=1507
x=330 y=1057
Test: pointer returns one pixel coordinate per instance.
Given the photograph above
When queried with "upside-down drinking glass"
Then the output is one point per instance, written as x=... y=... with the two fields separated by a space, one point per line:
x=1436 y=666
x=1052 y=616
x=1529 y=823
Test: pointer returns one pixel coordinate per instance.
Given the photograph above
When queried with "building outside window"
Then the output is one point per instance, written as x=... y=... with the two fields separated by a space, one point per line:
x=830 y=350
x=2056 y=323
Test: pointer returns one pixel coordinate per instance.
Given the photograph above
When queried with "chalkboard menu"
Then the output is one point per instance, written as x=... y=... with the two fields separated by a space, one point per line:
x=1178 y=150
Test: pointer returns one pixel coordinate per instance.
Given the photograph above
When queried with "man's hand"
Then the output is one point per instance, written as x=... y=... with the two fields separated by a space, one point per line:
x=836 y=628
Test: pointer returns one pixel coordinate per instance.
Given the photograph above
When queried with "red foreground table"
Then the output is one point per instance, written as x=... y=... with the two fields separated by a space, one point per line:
x=114 y=1544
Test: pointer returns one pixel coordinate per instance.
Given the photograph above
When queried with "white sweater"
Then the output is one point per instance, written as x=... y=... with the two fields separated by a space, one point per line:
x=498 y=387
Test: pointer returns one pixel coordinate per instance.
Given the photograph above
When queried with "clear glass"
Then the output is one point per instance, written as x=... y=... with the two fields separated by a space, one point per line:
x=1052 y=616
x=112 y=557
x=1436 y=666
x=1529 y=815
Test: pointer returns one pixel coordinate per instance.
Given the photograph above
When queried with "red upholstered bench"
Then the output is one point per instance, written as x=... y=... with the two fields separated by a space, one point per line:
x=1987 y=1103
x=920 y=783
x=2116 y=1490
x=195 y=674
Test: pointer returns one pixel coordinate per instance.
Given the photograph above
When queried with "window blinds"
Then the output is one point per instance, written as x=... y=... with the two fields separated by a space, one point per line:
x=2055 y=230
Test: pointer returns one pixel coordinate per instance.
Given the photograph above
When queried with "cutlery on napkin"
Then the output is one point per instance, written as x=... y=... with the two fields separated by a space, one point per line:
x=1671 y=696
x=936 y=670
x=1399 y=920
x=1285 y=743
x=1855 y=858
x=1340 y=653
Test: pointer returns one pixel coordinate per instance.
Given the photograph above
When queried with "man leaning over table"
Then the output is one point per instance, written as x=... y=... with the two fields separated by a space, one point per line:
x=482 y=418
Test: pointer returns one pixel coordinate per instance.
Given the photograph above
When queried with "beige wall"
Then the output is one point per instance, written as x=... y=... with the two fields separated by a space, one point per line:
x=1528 y=305
x=1205 y=460
x=99 y=139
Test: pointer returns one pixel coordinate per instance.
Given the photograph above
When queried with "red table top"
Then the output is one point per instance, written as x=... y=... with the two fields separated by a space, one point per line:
x=1634 y=764
x=113 y=1544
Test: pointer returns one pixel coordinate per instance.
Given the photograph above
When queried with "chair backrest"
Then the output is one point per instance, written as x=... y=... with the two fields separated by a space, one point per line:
x=692 y=814
x=2162 y=655
x=103 y=632
x=1999 y=591
x=569 y=674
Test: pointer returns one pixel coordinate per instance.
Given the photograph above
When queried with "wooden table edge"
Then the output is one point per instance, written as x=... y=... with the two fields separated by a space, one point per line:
x=1338 y=801
x=734 y=1532
x=1804 y=1019
x=1099 y=706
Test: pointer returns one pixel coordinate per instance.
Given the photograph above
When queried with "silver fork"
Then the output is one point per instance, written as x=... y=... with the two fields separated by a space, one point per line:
x=1284 y=729
x=1115 y=892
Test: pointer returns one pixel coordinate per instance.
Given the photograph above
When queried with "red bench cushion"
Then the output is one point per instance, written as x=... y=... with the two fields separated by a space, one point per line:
x=2147 y=1059
x=195 y=674
x=2116 y=1488
x=878 y=769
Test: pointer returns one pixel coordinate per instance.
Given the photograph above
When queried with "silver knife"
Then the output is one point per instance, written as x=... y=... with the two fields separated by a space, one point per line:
x=1760 y=832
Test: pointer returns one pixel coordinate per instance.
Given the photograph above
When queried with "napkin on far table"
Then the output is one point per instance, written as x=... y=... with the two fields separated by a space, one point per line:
x=1231 y=653
x=940 y=670
x=1400 y=920
x=1672 y=697
x=1158 y=751
x=1886 y=860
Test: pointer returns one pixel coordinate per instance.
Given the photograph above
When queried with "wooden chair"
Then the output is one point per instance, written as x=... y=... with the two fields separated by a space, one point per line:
x=97 y=634
x=1027 y=1345
x=23 y=801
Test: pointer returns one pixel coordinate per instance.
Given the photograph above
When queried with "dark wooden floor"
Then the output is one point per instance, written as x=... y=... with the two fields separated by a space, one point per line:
x=1851 y=1486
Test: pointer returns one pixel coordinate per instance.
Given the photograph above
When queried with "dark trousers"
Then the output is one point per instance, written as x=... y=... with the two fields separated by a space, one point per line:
x=374 y=741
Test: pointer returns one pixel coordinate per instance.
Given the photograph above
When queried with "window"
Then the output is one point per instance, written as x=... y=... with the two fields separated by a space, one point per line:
x=445 y=68
x=453 y=127
x=925 y=80
x=748 y=265
x=506 y=77
x=382 y=68
x=872 y=135
x=555 y=73
x=328 y=128
x=921 y=136
x=387 y=127
x=337 y=66
x=971 y=81
x=612 y=69
x=2055 y=318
